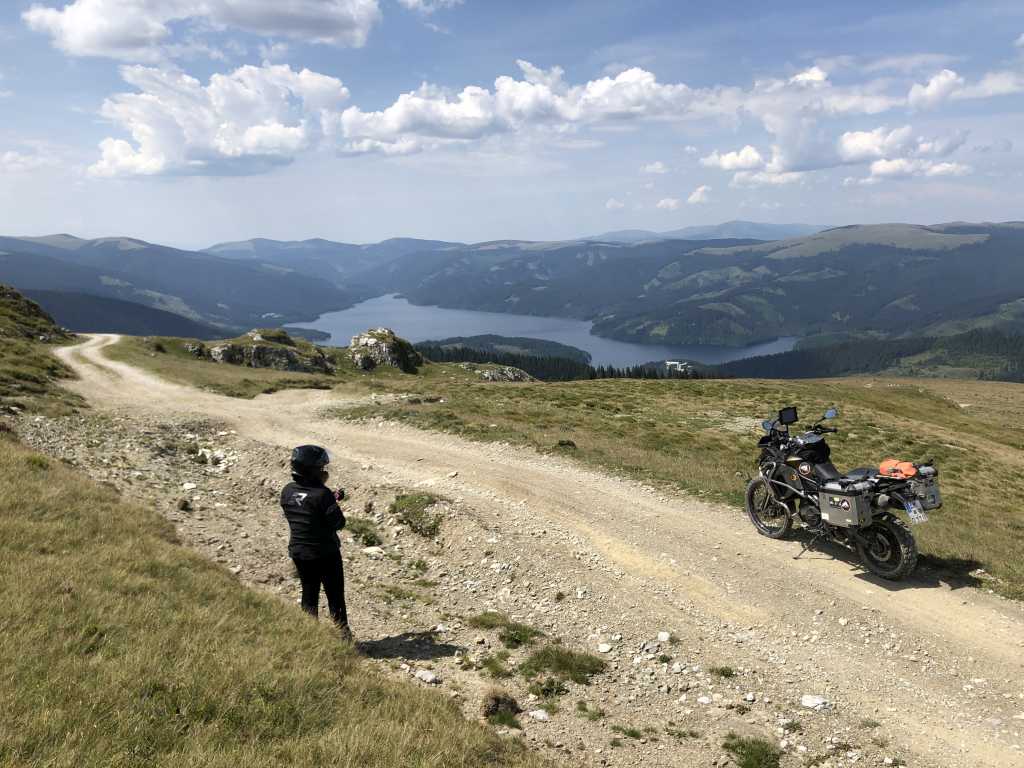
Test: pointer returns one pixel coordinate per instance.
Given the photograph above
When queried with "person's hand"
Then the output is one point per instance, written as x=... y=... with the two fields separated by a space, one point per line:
x=339 y=494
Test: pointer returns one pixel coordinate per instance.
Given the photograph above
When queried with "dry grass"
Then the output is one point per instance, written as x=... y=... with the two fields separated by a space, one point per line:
x=120 y=647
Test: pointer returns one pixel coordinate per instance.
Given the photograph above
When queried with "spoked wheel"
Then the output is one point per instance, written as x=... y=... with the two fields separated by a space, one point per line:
x=890 y=550
x=770 y=517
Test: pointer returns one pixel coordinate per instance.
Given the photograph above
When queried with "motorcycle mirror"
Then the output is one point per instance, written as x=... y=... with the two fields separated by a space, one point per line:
x=831 y=413
x=766 y=425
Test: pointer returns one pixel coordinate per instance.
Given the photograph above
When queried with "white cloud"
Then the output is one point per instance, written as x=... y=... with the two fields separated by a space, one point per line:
x=273 y=51
x=1019 y=42
x=813 y=76
x=907 y=63
x=992 y=84
x=700 y=195
x=690 y=149
x=23 y=162
x=657 y=167
x=668 y=204
x=140 y=30
x=741 y=160
x=860 y=146
x=905 y=167
x=614 y=205
x=428 y=6
x=939 y=88
x=242 y=122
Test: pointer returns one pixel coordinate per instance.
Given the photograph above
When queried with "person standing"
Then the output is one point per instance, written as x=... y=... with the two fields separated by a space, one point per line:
x=314 y=519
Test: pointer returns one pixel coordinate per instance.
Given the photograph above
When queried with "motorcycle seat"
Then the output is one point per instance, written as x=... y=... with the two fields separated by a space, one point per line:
x=861 y=473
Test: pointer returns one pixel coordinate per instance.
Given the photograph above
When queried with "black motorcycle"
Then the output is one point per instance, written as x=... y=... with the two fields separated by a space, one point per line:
x=798 y=484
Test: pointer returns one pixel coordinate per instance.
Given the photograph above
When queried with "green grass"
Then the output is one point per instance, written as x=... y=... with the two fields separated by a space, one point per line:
x=548 y=688
x=505 y=719
x=562 y=662
x=28 y=369
x=495 y=665
x=413 y=509
x=364 y=530
x=629 y=733
x=488 y=620
x=588 y=712
x=724 y=672
x=121 y=647
x=751 y=751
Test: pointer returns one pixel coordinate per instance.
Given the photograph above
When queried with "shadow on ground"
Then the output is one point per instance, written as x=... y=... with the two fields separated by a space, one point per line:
x=413 y=646
x=932 y=572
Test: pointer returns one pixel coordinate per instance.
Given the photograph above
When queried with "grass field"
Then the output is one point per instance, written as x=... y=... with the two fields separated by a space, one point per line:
x=700 y=436
x=120 y=647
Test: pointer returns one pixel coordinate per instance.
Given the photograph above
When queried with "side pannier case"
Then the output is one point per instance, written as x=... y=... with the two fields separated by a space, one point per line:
x=845 y=506
x=926 y=487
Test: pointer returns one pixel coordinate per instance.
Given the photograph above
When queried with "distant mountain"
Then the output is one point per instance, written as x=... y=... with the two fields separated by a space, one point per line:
x=743 y=230
x=341 y=263
x=203 y=287
x=890 y=279
x=97 y=314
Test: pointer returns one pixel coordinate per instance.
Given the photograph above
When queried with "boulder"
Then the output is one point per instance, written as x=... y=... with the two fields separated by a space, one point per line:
x=497 y=373
x=382 y=346
x=267 y=349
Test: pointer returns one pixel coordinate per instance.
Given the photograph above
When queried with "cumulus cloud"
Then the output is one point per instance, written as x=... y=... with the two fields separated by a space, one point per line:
x=241 y=122
x=1020 y=41
x=740 y=160
x=939 y=88
x=667 y=204
x=700 y=195
x=905 y=167
x=813 y=76
x=141 y=30
x=657 y=167
x=614 y=205
x=860 y=146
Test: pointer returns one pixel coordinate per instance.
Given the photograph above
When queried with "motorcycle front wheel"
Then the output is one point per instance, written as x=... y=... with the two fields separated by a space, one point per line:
x=770 y=517
x=889 y=550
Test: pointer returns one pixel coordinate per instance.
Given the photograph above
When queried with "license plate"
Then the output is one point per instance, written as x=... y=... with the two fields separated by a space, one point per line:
x=916 y=512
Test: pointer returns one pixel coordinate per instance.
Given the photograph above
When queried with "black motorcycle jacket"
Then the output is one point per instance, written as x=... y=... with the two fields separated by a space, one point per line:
x=314 y=518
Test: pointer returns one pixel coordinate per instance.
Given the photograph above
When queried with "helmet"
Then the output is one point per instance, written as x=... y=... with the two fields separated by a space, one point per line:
x=308 y=460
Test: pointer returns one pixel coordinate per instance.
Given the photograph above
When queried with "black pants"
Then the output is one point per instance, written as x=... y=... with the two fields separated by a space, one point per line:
x=326 y=570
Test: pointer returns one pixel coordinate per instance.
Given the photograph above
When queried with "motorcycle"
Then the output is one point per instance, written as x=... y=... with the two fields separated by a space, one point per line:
x=797 y=484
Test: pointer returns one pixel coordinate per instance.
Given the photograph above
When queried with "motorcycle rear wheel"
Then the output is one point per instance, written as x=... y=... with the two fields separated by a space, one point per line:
x=770 y=517
x=891 y=552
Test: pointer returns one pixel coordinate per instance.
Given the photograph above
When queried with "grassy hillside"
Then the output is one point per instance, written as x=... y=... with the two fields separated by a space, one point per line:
x=984 y=353
x=700 y=436
x=27 y=369
x=121 y=647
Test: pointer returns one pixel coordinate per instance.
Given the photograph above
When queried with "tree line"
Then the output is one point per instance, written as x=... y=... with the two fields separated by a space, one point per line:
x=548 y=368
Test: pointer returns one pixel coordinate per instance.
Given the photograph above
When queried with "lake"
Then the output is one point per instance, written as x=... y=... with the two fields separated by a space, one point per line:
x=417 y=323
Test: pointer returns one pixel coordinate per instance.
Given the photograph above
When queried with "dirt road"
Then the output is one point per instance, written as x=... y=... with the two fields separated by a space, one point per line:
x=943 y=668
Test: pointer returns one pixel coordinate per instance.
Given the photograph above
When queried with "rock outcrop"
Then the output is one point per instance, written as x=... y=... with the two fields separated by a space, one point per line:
x=505 y=373
x=265 y=349
x=382 y=346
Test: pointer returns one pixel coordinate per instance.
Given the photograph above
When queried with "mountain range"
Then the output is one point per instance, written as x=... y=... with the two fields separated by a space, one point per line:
x=885 y=281
x=728 y=230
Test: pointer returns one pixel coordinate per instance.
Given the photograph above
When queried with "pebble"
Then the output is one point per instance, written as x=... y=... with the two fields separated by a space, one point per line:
x=817 y=703
x=540 y=715
x=604 y=648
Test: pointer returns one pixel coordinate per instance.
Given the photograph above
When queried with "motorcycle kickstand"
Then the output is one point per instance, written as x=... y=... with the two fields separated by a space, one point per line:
x=805 y=546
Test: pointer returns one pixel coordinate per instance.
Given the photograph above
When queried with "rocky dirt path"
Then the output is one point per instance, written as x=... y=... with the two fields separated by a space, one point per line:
x=917 y=673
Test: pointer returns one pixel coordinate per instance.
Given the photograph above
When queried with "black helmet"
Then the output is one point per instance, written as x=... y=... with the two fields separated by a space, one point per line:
x=308 y=460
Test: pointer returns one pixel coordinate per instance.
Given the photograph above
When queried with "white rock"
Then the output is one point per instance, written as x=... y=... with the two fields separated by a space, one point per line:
x=843 y=622
x=817 y=703
x=703 y=699
x=540 y=715
x=375 y=552
x=188 y=486
x=604 y=648
x=750 y=697
x=428 y=677
x=664 y=637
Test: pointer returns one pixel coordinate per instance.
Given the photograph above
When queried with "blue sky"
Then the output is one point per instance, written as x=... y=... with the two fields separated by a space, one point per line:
x=191 y=122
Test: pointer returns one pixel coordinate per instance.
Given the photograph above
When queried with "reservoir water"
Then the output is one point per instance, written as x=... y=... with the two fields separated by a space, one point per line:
x=418 y=323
